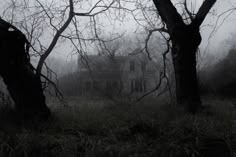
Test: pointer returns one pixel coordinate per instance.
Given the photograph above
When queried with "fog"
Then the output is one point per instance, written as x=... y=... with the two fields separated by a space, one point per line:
x=217 y=31
x=218 y=34
x=120 y=78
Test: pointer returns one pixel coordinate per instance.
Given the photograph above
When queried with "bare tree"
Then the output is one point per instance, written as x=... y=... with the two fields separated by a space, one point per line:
x=185 y=39
x=18 y=74
x=45 y=23
x=179 y=25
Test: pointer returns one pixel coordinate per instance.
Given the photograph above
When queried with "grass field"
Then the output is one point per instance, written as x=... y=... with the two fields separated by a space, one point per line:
x=102 y=128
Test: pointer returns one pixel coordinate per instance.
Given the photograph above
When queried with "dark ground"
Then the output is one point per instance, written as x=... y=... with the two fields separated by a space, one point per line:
x=100 y=128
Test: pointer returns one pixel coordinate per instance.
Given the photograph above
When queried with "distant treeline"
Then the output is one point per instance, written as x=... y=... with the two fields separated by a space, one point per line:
x=220 y=79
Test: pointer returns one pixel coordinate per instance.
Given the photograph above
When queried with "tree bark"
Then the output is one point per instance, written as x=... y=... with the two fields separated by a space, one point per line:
x=185 y=42
x=19 y=75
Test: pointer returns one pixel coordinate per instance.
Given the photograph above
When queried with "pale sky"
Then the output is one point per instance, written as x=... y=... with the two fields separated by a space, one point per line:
x=215 y=45
x=224 y=31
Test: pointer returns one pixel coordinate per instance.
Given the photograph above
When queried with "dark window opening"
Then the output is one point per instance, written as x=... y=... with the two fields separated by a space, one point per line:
x=138 y=85
x=132 y=65
x=132 y=85
x=143 y=66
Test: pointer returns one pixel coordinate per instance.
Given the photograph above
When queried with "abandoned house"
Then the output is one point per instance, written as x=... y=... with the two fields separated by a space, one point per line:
x=114 y=75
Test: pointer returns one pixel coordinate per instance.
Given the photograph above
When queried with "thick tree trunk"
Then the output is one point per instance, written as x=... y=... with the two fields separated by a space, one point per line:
x=185 y=43
x=18 y=74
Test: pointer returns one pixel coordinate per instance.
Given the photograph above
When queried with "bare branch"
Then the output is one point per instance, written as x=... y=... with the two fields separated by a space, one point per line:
x=202 y=12
x=56 y=37
x=161 y=77
x=190 y=14
x=89 y=13
x=169 y=14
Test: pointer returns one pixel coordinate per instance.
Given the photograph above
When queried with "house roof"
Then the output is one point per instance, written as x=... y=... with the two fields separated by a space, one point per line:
x=102 y=63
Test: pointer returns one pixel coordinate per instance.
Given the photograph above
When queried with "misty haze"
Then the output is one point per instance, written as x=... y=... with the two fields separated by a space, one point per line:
x=117 y=78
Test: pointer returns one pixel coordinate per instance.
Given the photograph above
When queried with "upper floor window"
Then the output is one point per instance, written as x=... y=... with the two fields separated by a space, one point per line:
x=132 y=65
x=143 y=66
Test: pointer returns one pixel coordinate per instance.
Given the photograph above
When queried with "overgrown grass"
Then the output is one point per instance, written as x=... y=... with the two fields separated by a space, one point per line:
x=100 y=128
